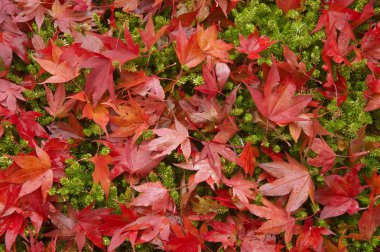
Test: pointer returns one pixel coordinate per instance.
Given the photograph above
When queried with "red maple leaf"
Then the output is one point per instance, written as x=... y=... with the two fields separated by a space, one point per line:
x=370 y=45
x=253 y=45
x=52 y=60
x=215 y=78
x=57 y=105
x=326 y=156
x=293 y=69
x=224 y=232
x=32 y=9
x=311 y=237
x=11 y=225
x=210 y=44
x=368 y=224
x=247 y=158
x=9 y=93
x=338 y=196
x=148 y=36
x=188 y=51
x=153 y=194
x=78 y=225
x=286 y=5
x=292 y=178
x=170 y=139
x=242 y=188
x=31 y=172
x=278 y=102
x=27 y=126
x=101 y=173
x=278 y=220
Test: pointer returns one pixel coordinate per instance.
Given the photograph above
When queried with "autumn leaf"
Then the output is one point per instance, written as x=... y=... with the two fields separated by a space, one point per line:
x=169 y=139
x=9 y=93
x=278 y=102
x=326 y=156
x=247 y=158
x=253 y=45
x=101 y=173
x=153 y=194
x=292 y=177
x=311 y=237
x=32 y=172
x=215 y=78
x=27 y=126
x=368 y=224
x=57 y=105
x=34 y=9
x=242 y=188
x=338 y=196
x=286 y=5
x=99 y=114
x=188 y=51
x=278 y=220
x=210 y=44
x=79 y=225
x=62 y=70
x=224 y=232
x=149 y=36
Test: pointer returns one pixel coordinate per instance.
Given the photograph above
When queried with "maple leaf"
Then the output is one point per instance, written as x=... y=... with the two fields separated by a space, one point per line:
x=293 y=178
x=278 y=102
x=338 y=196
x=311 y=237
x=70 y=130
x=226 y=130
x=369 y=45
x=293 y=69
x=100 y=79
x=153 y=194
x=253 y=45
x=368 y=224
x=131 y=120
x=247 y=158
x=254 y=242
x=11 y=225
x=326 y=156
x=337 y=17
x=205 y=171
x=101 y=173
x=62 y=70
x=99 y=114
x=134 y=159
x=188 y=51
x=148 y=36
x=373 y=93
x=79 y=225
x=32 y=172
x=13 y=42
x=31 y=9
x=66 y=18
x=151 y=226
x=278 y=220
x=241 y=187
x=169 y=139
x=337 y=90
x=210 y=44
x=215 y=78
x=286 y=5
x=27 y=126
x=9 y=93
x=224 y=232
x=57 y=105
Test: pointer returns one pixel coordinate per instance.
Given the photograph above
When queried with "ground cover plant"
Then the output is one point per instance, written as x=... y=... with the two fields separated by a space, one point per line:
x=189 y=125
